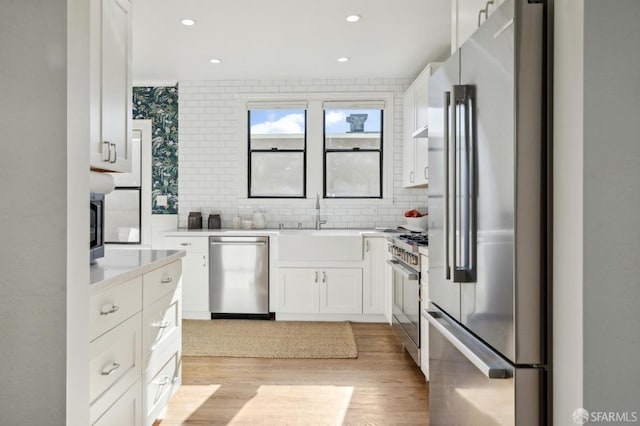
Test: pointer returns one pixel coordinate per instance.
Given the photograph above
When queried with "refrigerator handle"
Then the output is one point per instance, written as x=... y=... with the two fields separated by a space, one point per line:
x=483 y=358
x=453 y=153
x=447 y=224
x=464 y=186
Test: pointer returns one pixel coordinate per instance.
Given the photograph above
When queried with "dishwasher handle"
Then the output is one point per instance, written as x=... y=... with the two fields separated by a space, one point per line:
x=238 y=243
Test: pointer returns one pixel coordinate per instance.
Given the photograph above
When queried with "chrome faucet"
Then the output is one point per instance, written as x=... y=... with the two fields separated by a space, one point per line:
x=319 y=222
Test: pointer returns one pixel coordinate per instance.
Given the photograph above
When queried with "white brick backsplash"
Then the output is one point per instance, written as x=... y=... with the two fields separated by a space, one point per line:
x=211 y=175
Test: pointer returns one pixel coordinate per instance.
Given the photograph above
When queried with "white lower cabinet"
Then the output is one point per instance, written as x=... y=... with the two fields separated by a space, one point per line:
x=195 y=276
x=136 y=347
x=424 y=324
x=320 y=290
x=373 y=274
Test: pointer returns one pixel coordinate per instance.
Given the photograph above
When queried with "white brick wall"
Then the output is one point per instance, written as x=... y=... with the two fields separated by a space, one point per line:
x=211 y=173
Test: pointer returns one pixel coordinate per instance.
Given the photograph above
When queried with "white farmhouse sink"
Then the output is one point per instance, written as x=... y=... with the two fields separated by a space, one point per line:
x=320 y=245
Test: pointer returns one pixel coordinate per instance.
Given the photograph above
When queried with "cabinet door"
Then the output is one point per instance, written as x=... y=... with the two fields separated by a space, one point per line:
x=195 y=282
x=424 y=324
x=408 y=126
x=341 y=291
x=373 y=274
x=421 y=102
x=195 y=274
x=298 y=290
x=112 y=151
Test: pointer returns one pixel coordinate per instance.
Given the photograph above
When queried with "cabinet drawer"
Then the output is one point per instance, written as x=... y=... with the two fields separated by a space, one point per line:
x=126 y=411
x=192 y=244
x=115 y=360
x=161 y=324
x=161 y=281
x=111 y=307
x=160 y=386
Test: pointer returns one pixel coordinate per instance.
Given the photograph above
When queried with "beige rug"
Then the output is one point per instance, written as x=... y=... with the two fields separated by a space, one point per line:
x=268 y=339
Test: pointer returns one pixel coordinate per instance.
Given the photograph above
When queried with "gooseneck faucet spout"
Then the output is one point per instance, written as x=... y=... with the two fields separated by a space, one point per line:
x=319 y=222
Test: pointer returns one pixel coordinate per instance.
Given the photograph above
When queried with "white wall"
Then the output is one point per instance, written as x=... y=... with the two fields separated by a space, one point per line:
x=211 y=169
x=611 y=205
x=40 y=183
x=597 y=199
x=568 y=259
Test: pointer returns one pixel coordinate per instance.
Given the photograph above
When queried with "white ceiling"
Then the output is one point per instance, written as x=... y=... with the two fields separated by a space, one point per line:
x=278 y=39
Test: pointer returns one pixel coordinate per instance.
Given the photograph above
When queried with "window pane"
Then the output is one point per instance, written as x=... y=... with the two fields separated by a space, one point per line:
x=352 y=128
x=278 y=174
x=122 y=216
x=353 y=174
x=276 y=128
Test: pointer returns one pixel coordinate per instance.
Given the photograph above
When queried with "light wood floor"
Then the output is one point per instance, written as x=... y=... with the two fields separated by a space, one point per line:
x=382 y=387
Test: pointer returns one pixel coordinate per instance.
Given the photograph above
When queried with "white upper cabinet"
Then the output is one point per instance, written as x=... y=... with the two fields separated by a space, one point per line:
x=111 y=86
x=415 y=171
x=465 y=17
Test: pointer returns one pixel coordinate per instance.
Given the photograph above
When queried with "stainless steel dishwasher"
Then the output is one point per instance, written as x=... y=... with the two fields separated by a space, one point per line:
x=239 y=277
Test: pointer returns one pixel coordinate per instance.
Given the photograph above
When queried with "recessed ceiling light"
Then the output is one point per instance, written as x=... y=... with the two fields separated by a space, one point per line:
x=188 y=22
x=215 y=61
x=353 y=18
x=343 y=59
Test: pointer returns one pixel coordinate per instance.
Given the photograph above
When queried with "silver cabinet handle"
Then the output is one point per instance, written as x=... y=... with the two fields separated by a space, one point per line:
x=324 y=277
x=411 y=177
x=111 y=310
x=316 y=277
x=163 y=381
x=166 y=280
x=366 y=243
x=185 y=244
x=115 y=153
x=106 y=149
x=238 y=243
x=108 y=371
x=425 y=173
x=490 y=364
x=204 y=261
x=161 y=324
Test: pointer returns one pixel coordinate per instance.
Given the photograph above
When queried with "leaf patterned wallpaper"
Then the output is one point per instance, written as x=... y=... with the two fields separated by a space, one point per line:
x=160 y=104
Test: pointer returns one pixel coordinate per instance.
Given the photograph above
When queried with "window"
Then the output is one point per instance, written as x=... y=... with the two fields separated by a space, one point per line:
x=352 y=152
x=277 y=152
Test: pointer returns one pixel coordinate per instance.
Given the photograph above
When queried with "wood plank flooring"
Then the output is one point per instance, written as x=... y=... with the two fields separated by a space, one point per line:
x=381 y=387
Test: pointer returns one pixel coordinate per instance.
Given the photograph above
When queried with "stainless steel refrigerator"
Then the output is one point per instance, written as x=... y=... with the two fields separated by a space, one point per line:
x=486 y=225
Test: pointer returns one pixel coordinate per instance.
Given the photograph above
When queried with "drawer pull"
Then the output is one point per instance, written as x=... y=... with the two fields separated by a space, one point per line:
x=185 y=244
x=166 y=280
x=163 y=381
x=161 y=324
x=114 y=367
x=109 y=310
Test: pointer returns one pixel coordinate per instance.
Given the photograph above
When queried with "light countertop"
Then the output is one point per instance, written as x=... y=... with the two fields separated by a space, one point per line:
x=184 y=232
x=119 y=265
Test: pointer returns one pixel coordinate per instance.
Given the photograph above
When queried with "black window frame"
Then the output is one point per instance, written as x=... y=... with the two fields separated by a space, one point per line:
x=351 y=150
x=276 y=151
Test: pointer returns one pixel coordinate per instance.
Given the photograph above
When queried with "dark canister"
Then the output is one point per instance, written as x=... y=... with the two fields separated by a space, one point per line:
x=195 y=220
x=214 y=221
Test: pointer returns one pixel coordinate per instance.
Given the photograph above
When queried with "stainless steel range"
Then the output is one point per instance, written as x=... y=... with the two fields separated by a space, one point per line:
x=407 y=293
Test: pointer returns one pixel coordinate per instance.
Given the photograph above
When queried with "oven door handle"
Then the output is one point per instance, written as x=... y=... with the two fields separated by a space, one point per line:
x=408 y=273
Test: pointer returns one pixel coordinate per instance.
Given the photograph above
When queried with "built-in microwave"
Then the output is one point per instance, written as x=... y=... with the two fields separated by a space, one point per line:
x=96 y=230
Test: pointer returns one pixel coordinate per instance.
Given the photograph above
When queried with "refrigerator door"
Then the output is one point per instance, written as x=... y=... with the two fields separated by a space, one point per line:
x=503 y=62
x=472 y=385
x=443 y=291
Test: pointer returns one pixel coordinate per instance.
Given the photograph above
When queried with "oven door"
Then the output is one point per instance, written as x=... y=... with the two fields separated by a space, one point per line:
x=406 y=302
